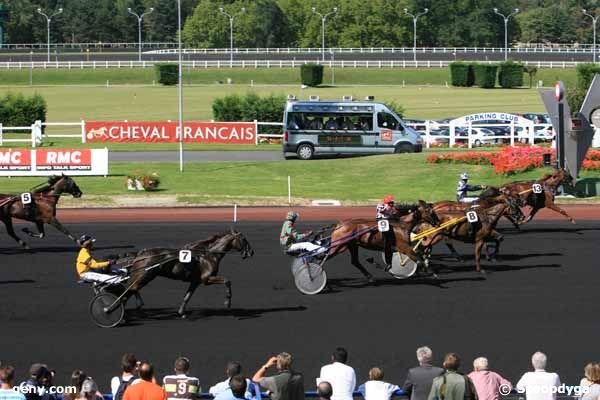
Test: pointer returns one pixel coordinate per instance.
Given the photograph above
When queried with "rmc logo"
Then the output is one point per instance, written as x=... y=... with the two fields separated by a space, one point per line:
x=11 y=157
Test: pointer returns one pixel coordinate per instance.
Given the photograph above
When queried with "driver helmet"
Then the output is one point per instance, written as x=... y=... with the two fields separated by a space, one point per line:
x=86 y=240
x=464 y=176
x=291 y=216
x=388 y=200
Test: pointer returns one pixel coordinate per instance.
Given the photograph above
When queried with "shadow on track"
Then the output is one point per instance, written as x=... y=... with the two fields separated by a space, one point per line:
x=57 y=249
x=501 y=257
x=136 y=317
x=574 y=229
x=16 y=282
x=335 y=285
x=491 y=268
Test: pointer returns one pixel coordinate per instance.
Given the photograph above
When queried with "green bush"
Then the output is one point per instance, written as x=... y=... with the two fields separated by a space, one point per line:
x=249 y=107
x=167 y=74
x=395 y=107
x=575 y=97
x=311 y=74
x=510 y=74
x=485 y=75
x=531 y=71
x=461 y=74
x=585 y=75
x=18 y=110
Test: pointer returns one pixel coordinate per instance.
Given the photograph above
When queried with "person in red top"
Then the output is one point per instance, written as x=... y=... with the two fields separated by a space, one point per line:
x=145 y=388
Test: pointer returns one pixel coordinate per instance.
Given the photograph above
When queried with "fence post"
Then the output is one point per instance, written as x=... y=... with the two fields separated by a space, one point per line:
x=256 y=132
x=1 y=133
x=83 y=138
x=33 y=135
x=512 y=133
x=427 y=133
x=38 y=132
x=469 y=135
x=289 y=190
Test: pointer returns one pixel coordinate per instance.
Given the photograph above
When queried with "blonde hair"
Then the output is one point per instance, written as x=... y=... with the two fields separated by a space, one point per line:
x=376 y=374
x=592 y=372
x=480 y=364
x=284 y=361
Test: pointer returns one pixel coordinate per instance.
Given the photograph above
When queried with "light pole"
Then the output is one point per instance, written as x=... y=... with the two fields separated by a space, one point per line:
x=48 y=20
x=323 y=19
x=415 y=18
x=139 y=19
x=506 y=18
x=231 y=18
x=594 y=20
x=180 y=87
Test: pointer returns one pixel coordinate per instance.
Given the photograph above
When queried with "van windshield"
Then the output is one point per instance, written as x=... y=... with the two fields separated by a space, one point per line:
x=330 y=121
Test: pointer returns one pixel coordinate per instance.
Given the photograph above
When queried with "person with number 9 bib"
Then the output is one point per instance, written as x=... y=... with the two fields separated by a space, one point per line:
x=463 y=188
x=292 y=241
x=90 y=270
x=385 y=212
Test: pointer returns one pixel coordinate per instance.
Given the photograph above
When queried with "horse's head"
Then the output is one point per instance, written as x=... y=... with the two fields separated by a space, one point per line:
x=64 y=184
x=425 y=213
x=234 y=241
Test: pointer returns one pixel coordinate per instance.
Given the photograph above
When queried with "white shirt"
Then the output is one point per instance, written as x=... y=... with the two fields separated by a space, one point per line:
x=223 y=386
x=116 y=381
x=378 y=390
x=342 y=379
x=538 y=385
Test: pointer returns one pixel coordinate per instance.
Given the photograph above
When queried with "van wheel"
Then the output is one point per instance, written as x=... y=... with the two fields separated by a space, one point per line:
x=404 y=148
x=477 y=143
x=305 y=152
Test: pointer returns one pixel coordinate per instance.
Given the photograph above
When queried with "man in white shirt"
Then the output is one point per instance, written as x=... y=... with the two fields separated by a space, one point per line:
x=119 y=384
x=375 y=388
x=539 y=385
x=341 y=376
x=233 y=368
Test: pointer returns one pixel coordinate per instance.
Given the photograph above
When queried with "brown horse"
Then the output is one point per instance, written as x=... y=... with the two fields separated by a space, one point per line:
x=202 y=269
x=42 y=209
x=478 y=233
x=549 y=184
x=355 y=233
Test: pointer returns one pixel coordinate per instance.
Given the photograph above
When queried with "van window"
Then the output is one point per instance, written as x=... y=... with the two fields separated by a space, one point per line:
x=386 y=120
x=330 y=121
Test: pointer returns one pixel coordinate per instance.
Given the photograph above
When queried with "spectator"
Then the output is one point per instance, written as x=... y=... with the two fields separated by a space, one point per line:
x=332 y=125
x=287 y=384
x=7 y=377
x=145 y=388
x=375 y=388
x=419 y=379
x=238 y=387
x=539 y=384
x=77 y=379
x=180 y=385
x=89 y=390
x=591 y=382
x=341 y=376
x=452 y=385
x=324 y=390
x=119 y=384
x=39 y=377
x=233 y=368
x=488 y=383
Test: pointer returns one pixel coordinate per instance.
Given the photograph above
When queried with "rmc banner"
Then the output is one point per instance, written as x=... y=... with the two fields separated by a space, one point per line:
x=25 y=162
x=168 y=132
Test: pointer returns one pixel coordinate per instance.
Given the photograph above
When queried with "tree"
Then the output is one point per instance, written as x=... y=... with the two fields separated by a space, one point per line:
x=531 y=71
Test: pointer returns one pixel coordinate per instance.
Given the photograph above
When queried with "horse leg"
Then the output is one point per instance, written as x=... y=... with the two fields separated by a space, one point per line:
x=453 y=251
x=11 y=232
x=139 y=302
x=221 y=280
x=353 y=248
x=559 y=210
x=40 y=227
x=497 y=239
x=531 y=215
x=478 y=246
x=186 y=298
x=56 y=224
x=512 y=221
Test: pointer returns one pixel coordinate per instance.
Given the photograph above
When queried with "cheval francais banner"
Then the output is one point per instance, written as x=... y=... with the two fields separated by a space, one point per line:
x=168 y=132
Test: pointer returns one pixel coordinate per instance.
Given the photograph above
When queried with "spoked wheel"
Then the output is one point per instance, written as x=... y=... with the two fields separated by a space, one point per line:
x=309 y=277
x=106 y=310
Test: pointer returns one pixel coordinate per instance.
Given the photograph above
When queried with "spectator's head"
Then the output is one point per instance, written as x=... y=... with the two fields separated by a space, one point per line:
x=284 y=361
x=451 y=362
x=480 y=364
x=146 y=371
x=77 y=379
x=340 y=355
x=376 y=374
x=7 y=374
x=182 y=365
x=238 y=386
x=38 y=372
x=233 y=368
x=89 y=388
x=325 y=390
x=128 y=363
x=592 y=372
x=424 y=355
x=539 y=360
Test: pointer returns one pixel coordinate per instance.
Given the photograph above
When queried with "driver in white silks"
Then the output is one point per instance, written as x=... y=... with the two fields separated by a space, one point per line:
x=463 y=188
x=90 y=270
x=292 y=241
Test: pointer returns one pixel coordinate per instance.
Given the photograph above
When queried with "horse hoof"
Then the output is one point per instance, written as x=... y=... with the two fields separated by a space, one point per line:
x=573 y=222
x=483 y=272
x=371 y=280
x=228 y=304
x=182 y=315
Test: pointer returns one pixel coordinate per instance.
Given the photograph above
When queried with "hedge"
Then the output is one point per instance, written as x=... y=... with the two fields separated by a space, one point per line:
x=585 y=75
x=510 y=74
x=250 y=107
x=461 y=74
x=311 y=74
x=485 y=75
x=167 y=74
x=575 y=97
x=18 y=110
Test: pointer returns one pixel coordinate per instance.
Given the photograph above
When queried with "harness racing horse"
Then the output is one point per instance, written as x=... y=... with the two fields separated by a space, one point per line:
x=42 y=209
x=354 y=233
x=202 y=269
x=478 y=233
x=549 y=183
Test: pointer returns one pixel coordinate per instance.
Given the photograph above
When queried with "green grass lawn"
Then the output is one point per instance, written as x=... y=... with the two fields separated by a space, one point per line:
x=353 y=180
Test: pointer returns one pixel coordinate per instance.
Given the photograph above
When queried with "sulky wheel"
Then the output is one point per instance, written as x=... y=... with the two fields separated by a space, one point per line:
x=106 y=310
x=309 y=278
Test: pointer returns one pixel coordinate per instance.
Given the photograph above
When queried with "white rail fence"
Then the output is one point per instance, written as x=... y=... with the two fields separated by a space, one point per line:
x=261 y=64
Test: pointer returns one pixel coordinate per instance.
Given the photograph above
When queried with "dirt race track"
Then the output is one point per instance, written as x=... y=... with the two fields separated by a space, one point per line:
x=542 y=294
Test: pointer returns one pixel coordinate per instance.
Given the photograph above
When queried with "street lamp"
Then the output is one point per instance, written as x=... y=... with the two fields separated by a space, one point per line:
x=139 y=19
x=594 y=20
x=415 y=17
x=180 y=87
x=323 y=19
x=506 y=18
x=48 y=20
x=231 y=18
